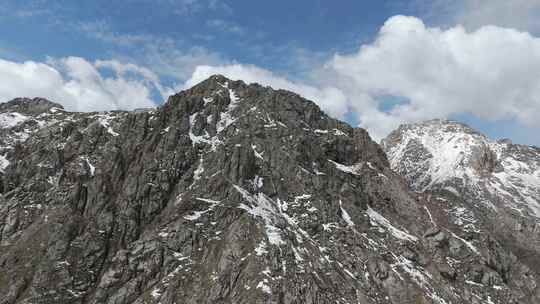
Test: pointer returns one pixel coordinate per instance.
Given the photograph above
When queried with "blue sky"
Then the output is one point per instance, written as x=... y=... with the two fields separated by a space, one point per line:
x=257 y=32
x=351 y=57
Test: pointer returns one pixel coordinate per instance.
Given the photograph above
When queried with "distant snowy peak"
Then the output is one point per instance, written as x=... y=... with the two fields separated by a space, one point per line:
x=443 y=154
x=21 y=118
x=440 y=149
x=30 y=106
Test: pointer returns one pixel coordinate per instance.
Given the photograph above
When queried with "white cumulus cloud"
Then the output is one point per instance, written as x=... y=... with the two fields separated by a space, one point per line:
x=491 y=72
x=80 y=85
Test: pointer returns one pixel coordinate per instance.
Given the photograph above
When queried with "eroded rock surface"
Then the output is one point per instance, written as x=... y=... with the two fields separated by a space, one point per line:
x=229 y=193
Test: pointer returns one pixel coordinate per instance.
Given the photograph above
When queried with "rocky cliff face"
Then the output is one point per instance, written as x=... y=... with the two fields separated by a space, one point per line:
x=229 y=193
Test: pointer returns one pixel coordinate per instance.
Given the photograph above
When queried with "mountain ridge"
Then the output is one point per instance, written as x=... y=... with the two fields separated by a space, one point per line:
x=496 y=180
x=464 y=125
x=454 y=150
x=231 y=193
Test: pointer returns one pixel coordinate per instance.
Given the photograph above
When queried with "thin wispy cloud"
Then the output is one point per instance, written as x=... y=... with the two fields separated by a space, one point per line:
x=225 y=26
x=165 y=55
x=102 y=30
x=189 y=7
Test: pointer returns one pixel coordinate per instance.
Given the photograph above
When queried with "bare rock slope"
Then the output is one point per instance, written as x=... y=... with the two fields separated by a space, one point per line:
x=229 y=193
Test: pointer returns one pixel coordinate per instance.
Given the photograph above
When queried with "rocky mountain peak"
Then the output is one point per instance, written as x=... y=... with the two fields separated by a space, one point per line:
x=445 y=149
x=231 y=193
x=217 y=103
x=442 y=125
x=442 y=154
x=496 y=181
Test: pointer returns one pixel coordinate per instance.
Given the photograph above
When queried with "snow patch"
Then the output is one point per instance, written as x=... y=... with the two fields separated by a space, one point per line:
x=197 y=214
x=262 y=206
x=226 y=118
x=467 y=243
x=205 y=139
x=200 y=170
x=263 y=285
x=380 y=220
x=156 y=293
x=12 y=119
x=90 y=166
x=257 y=154
x=338 y=132
x=430 y=217
x=4 y=163
x=347 y=169
x=105 y=120
x=346 y=217
x=261 y=249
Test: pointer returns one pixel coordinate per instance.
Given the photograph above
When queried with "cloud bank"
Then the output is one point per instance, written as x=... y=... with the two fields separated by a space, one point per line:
x=80 y=85
x=491 y=72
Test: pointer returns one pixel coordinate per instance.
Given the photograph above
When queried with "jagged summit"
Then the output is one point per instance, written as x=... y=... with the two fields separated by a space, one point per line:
x=217 y=103
x=436 y=125
x=221 y=89
x=231 y=193
x=442 y=149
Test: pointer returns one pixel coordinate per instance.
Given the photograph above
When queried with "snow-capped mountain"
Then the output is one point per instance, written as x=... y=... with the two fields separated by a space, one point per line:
x=20 y=118
x=234 y=193
x=474 y=181
x=443 y=154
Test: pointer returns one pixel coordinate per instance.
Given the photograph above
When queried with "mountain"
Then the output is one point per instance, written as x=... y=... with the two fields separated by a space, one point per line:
x=21 y=117
x=441 y=154
x=477 y=179
x=230 y=193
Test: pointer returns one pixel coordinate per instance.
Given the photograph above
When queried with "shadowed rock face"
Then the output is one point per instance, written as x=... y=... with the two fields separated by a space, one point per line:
x=228 y=193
